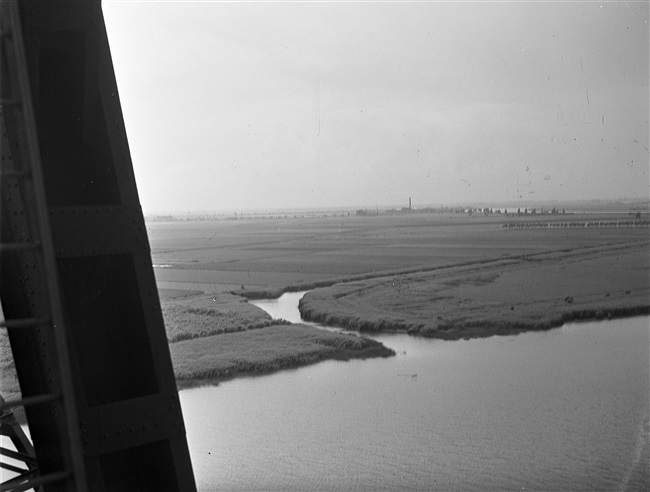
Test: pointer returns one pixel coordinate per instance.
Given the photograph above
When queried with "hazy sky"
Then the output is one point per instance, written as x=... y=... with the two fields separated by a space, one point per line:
x=234 y=106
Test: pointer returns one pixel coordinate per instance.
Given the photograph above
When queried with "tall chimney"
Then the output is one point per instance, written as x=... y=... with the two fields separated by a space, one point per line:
x=410 y=204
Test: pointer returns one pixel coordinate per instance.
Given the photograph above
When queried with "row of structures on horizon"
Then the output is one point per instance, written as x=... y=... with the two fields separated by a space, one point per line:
x=461 y=210
x=629 y=207
x=470 y=210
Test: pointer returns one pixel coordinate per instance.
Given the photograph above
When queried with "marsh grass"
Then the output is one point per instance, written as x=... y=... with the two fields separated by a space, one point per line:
x=559 y=253
x=534 y=292
x=219 y=336
x=266 y=350
x=204 y=316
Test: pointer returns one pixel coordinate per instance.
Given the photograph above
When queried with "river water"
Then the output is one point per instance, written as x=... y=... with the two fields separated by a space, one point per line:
x=556 y=410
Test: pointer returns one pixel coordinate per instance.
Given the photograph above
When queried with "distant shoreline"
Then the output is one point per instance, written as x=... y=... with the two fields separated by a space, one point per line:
x=623 y=205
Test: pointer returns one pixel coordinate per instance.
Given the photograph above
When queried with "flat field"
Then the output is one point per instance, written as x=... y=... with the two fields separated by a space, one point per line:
x=442 y=275
x=267 y=256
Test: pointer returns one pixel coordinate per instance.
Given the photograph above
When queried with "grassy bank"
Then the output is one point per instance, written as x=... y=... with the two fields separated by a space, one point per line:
x=262 y=351
x=221 y=336
x=531 y=292
x=204 y=316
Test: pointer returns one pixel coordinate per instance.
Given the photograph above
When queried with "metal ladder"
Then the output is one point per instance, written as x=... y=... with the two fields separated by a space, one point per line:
x=21 y=175
x=23 y=453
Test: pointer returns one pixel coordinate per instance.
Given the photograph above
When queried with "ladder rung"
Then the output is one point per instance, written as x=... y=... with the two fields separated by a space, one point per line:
x=23 y=322
x=24 y=457
x=14 y=173
x=12 y=468
x=30 y=401
x=42 y=480
x=12 y=483
x=11 y=247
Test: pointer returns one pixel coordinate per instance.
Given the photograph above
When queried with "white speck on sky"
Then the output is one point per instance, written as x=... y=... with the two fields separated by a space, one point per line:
x=235 y=106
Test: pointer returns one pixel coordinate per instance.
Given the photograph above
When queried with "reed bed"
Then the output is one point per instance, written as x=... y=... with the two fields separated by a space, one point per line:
x=215 y=358
x=204 y=316
x=219 y=336
x=499 y=297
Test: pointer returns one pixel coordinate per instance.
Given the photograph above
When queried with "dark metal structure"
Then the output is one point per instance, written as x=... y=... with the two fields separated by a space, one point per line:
x=76 y=280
